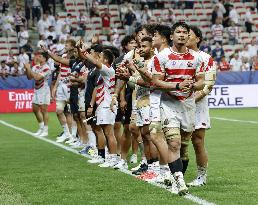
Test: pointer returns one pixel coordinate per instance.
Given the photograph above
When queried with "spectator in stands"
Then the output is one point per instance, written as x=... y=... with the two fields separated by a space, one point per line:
x=146 y=15
x=51 y=32
x=116 y=41
x=217 y=32
x=249 y=20
x=129 y=21
x=235 y=63
x=23 y=36
x=7 y=23
x=214 y=14
x=45 y=5
x=59 y=24
x=221 y=9
x=245 y=65
x=106 y=19
x=233 y=15
x=36 y=11
x=5 y=69
x=205 y=47
x=170 y=18
x=233 y=33
x=255 y=63
x=16 y=70
x=94 y=11
x=244 y=53
x=65 y=35
x=10 y=59
x=28 y=48
x=223 y=65
x=68 y=23
x=82 y=21
x=218 y=52
x=5 y=5
x=226 y=4
x=23 y=58
x=18 y=19
x=51 y=19
x=252 y=48
x=43 y=25
x=42 y=41
x=27 y=13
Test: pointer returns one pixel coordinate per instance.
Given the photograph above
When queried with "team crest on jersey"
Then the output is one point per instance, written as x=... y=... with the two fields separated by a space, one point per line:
x=173 y=62
x=189 y=64
x=166 y=122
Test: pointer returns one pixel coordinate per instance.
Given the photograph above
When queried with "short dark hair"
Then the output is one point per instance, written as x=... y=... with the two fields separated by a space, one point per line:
x=150 y=28
x=198 y=33
x=164 y=31
x=97 y=48
x=127 y=39
x=45 y=55
x=180 y=24
x=147 y=38
x=113 y=49
x=108 y=55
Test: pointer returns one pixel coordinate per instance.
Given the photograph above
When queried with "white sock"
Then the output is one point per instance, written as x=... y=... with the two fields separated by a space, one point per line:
x=92 y=138
x=163 y=169
x=45 y=128
x=41 y=125
x=65 y=128
x=74 y=130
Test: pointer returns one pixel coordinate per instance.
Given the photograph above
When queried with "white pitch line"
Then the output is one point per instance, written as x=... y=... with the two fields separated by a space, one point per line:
x=234 y=120
x=190 y=197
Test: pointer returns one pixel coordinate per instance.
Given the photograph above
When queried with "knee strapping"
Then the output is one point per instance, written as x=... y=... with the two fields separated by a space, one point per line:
x=184 y=149
x=155 y=127
x=172 y=133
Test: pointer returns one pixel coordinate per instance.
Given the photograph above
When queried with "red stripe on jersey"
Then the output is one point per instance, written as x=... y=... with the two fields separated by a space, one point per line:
x=157 y=64
x=65 y=66
x=185 y=56
x=62 y=70
x=112 y=79
x=98 y=97
x=100 y=81
x=40 y=86
x=100 y=89
x=112 y=86
x=100 y=101
x=180 y=71
x=175 y=80
x=210 y=64
x=45 y=70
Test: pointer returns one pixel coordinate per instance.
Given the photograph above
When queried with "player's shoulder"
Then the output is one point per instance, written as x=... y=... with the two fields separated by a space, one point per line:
x=204 y=55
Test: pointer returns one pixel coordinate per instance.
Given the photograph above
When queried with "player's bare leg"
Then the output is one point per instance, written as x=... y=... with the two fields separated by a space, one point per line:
x=201 y=157
x=39 y=117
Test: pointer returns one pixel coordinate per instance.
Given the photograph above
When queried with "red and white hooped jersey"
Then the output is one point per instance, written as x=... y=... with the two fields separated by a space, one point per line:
x=207 y=62
x=65 y=72
x=105 y=86
x=177 y=67
x=45 y=71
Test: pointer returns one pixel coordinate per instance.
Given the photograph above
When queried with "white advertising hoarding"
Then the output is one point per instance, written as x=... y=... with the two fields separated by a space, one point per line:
x=233 y=96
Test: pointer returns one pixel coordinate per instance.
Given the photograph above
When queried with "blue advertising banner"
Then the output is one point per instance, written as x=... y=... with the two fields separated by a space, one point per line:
x=223 y=78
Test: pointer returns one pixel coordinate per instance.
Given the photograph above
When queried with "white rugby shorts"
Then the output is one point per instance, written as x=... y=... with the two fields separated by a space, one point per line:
x=178 y=114
x=41 y=96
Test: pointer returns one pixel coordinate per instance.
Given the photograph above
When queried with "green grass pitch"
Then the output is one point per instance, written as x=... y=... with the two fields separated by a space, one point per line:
x=36 y=172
